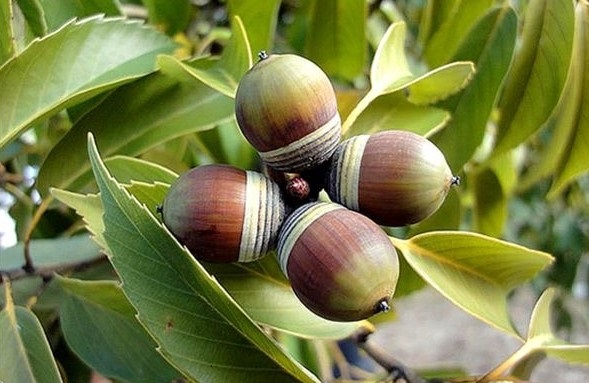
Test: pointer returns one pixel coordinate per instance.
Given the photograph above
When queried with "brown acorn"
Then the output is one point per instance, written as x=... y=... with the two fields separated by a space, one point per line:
x=396 y=178
x=286 y=108
x=341 y=265
x=224 y=214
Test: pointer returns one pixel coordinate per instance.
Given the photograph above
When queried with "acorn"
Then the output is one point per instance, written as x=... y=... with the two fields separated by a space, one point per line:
x=286 y=108
x=224 y=214
x=396 y=178
x=341 y=265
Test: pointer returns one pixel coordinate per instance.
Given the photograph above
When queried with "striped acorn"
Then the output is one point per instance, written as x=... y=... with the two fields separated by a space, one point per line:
x=224 y=214
x=341 y=265
x=396 y=178
x=286 y=108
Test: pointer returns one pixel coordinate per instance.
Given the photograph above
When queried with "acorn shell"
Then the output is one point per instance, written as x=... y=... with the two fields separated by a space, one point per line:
x=341 y=265
x=396 y=178
x=286 y=108
x=224 y=214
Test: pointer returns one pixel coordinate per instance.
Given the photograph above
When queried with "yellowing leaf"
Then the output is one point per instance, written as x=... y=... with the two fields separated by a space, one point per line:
x=473 y=271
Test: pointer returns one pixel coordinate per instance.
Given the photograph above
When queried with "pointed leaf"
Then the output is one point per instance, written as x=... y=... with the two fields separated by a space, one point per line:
x=259 y=20
x=88 y=207
x=539 y=71
x=99 y=325
x=335 y=37
x=490 y=46
x=453 y=29
x=221 y=74
x=26 y=356
x=127 y=169
x=197 y=325
x=68 y=66
x=150 y=111
x=389 y=64
x=57 y=13
x=440 y=83
x=473 y=271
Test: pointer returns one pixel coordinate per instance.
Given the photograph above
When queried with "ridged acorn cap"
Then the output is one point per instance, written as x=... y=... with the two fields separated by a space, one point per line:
x=396 y=178
x=341 y=265
x=224 y=214
x=286 y=108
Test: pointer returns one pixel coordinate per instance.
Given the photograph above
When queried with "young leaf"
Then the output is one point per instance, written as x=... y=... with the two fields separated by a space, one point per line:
x=71 y=65
x=198 y=326
x=99 y=325
x=489 y=44
x=332 y=39
x=26 y=356
x=221 y=74
x=127 y=169
x=259 y=19
x=149 y=111
x=473 y=271
x=539 y=71
x=390 y=73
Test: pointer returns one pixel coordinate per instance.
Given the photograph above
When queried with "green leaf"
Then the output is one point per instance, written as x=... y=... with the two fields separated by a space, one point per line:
x=259 y=19
x=335 y=39
x=473 y=271
x=7 y=45
x=34 y=15
x=390 y=73
x=99 y=325
x=539 y=71
x=453 y=28
x=392 y=111
x=47 y=253
x=26 y=356
x=150 y=111
x=127 y=169
x=435 y=13
x=67 y=67
x=87 y=206
x=572 y=116
x=221 y=74
x=170 y=16
x=198 y=327
x=489 y=202
x=261 y=289
x=489 y=44
x=57 y=13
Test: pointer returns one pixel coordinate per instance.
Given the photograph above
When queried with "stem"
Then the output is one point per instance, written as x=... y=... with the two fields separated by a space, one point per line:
x=398 y=370
x=47 y=272
x=29 y=267
x=501 y=370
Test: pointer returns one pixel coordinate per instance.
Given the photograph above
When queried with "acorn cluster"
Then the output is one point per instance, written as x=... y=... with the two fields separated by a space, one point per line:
x=339 y=261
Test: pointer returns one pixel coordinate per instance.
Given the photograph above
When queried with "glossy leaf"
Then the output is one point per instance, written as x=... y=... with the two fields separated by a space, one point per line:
x=68 y=67
x=7 y=46
x=221 y=74
x=150 y=111
x=99 y=325
x=259 y=20
x=390 y=73
x=26 y=355
x=198 y=327
x=392 y=111
x=170 y=16
x=453 y=29
x=332 y=38
x=539 y=71
x=473 y=271
x=490 y=46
